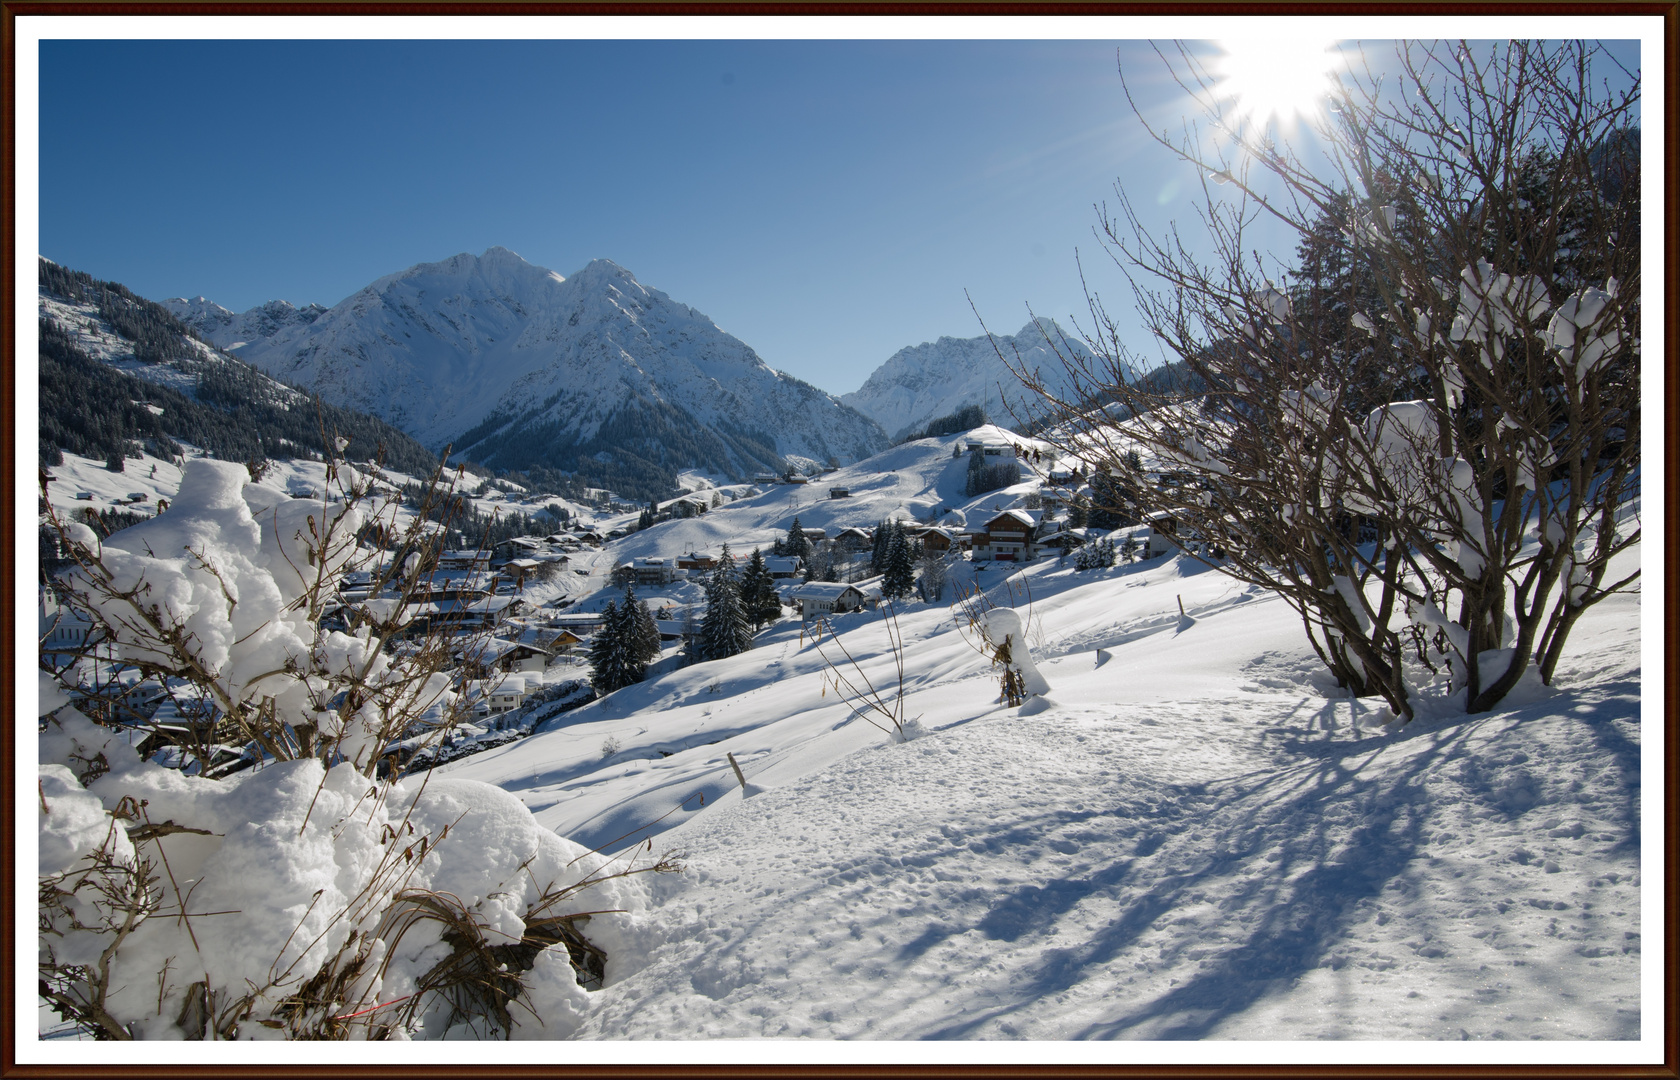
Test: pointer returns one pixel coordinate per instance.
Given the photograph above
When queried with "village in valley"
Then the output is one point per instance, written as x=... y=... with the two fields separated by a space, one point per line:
x=524 y=613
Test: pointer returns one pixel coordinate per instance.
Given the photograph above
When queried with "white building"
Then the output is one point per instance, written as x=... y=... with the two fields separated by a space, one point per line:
x=815 y=598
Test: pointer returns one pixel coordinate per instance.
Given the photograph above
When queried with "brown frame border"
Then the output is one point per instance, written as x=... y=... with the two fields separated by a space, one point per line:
x=10 y=10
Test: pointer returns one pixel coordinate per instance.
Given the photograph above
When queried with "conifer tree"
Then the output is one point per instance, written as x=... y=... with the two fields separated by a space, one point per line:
x=629 y=639
x=900 y=573
x=608 y=655
x=758 y=592
x=974 y=483
x=878 y=554
x=725 y=630
x=798 y=545
x=647 y=634
x=638 y=632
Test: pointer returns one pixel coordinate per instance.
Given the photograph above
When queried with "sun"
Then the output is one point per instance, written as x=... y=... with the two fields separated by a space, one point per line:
x=1276 y=78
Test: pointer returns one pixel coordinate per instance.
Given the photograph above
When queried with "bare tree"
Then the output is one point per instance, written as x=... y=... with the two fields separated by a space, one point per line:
x=1436 y=409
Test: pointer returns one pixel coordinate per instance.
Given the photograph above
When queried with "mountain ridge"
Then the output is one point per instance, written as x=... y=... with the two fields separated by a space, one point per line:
x=936 y=378
x=118 y=373
x=516 y=366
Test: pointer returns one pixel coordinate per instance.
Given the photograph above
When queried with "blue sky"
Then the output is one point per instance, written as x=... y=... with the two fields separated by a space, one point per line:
x=828 y=202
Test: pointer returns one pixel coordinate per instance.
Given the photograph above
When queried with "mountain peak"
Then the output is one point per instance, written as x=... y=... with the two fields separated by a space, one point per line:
x=604 y=269
x=934 y=379
x=514 y=365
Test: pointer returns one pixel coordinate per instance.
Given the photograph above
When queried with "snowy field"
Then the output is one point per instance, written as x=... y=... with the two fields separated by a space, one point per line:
x=1192 y=840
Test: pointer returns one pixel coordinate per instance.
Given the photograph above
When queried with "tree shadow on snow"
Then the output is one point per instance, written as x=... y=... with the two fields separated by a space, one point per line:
x=1333 y=835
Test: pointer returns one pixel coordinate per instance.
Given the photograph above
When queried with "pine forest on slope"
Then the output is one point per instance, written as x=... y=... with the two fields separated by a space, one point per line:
x=119 y=373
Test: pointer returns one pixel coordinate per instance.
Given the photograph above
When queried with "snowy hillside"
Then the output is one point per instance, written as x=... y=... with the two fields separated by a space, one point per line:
x=1193 y=835
x=517 y=366
x=913 y=482
x=936 y=378
x=94 y=335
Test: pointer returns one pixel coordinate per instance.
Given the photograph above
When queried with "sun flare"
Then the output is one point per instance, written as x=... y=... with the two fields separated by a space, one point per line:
x=1276 y=78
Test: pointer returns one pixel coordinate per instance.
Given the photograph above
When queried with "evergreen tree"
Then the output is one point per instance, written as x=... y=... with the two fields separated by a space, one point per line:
x=1079 y=512
x=638 y=633
x=608 y=655
x=1111 y=503
x=647 y=634
x=983 y=477
x=974 y=484
x=1096 y=555
x=900 y=573
x=758 y=592
x=878 y=554
x=630 y=643
x=797 y=543
x=725 y=630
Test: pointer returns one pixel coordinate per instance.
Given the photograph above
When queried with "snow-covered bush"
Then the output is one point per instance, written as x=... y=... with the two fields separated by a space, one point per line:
x=301 y=901
x=1002 y=635
x=1423 y=434
x=224 y=602
x=280 y=881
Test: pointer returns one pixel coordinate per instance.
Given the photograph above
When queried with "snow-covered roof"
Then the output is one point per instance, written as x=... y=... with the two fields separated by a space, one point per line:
x=1028 y=518
x=383 y=608
x=506 y=684
x=488 y=604
x=824 y=590
x=495 y=648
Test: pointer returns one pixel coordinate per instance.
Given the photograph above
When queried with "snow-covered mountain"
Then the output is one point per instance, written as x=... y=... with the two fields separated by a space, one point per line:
x=226 y=330
x=936 y=378
x=118 y=372
x=517 y=366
